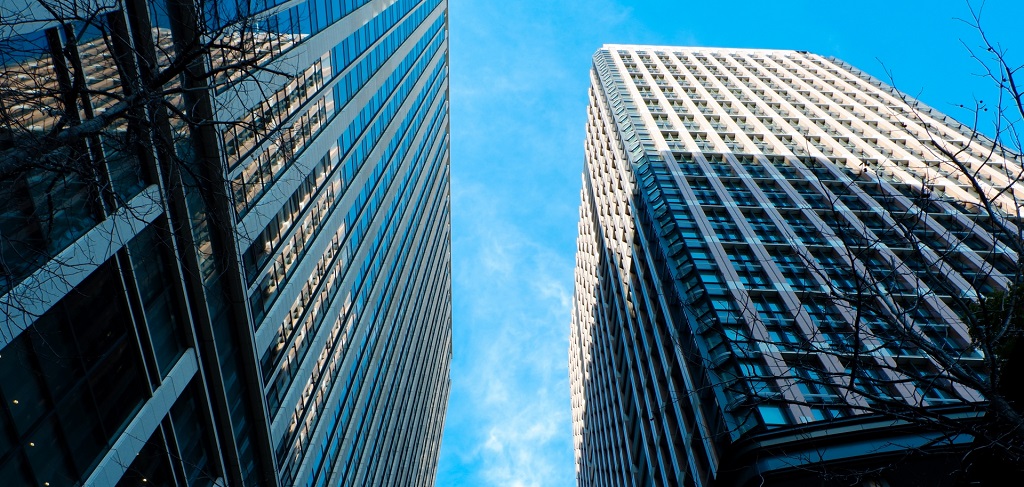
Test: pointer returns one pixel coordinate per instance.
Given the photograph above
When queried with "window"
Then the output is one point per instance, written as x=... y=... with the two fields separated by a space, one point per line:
x=816 y=388
x=190 y=430
x=821 y=413
x=770 y=309
x=740 y=193
x=784 y=335
x=154 y=278
x=929 y=385
x=71 y=385
x=704 y=192
x=776 y=194
x=724 y=226
x=748 y=267
x=804 y=229
x=869 y=381
x=765 y=229
x=835 y=271
x=758 y=378
x=772 y=415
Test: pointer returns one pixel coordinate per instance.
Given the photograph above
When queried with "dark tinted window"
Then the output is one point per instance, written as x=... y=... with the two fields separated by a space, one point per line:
x=69 y=384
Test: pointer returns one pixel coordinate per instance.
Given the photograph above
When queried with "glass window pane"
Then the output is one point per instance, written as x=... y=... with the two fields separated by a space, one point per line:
x=151 y=467
x=21 y=386
x=189 y=431
x=117 y=384
x=773 y=415
x=97 y=327
x=54 y=347
x=81 y=426
x=47 y=455
x=154 y=278
x=16 y=471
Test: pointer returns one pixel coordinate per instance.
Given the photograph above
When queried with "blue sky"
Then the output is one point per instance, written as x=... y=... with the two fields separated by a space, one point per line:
x=519 y=78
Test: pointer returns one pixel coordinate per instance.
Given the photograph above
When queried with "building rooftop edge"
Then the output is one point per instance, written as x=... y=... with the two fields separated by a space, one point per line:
x=698 y=48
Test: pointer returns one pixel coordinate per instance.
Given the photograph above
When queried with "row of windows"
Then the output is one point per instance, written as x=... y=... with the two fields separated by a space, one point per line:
x=330 y=447
x=268 y=242
x=282 y=30
x=366 y=343
x=359 y=215
x=242 y=136
x=368 y=274
x=269 y=165
x=799 y=149
x=34 y=225
x=353 y=313
x=811 y=193
x=285 y=146
x=832 y=330
x=70 y=384
x=265 y=295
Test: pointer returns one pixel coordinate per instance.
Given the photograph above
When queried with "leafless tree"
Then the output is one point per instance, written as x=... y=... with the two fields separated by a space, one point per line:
x=918 y=318
x=100 y=98
x=115 y=113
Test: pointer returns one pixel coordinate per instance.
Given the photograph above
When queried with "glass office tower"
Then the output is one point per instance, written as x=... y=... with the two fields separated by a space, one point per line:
x=226 y=264
x=774 y=250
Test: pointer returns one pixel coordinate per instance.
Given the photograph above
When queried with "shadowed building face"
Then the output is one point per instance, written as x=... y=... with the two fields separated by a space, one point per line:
x=232 y=274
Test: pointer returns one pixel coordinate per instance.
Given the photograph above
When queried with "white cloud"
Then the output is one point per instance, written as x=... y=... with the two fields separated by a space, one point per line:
x=510 y=386
x=519 y=94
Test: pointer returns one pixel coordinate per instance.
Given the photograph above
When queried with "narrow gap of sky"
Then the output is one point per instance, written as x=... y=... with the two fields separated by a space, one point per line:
x=519 y=79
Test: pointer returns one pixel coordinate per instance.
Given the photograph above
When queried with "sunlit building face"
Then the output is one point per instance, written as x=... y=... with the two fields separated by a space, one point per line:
x=760 y=231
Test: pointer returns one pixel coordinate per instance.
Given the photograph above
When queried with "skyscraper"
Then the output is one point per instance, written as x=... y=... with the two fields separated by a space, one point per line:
x=225 y=243
x=776 y=259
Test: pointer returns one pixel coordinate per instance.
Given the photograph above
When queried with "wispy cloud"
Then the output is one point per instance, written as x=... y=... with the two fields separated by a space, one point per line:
x=519 y=79
x=509 y=422
x=520 y=74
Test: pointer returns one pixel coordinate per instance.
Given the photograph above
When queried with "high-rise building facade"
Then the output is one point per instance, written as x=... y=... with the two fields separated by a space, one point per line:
x=774 y=255
x=225 y=242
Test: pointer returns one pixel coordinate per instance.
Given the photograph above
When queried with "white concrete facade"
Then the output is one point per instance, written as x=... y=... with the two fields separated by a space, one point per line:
x=725 y=188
